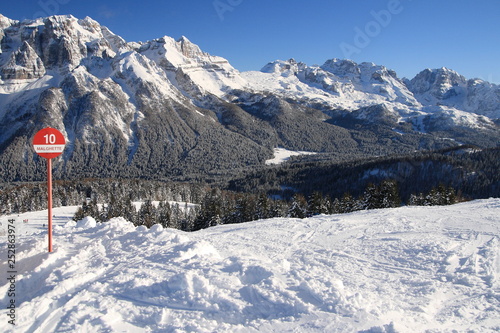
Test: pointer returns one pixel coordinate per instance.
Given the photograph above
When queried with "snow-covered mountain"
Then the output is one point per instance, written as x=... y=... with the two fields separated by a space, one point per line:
x=168 y=105
x=196 y=73
x=350 y=86
x=448 y=88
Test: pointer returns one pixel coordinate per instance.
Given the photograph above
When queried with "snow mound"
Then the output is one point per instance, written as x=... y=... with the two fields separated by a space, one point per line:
x=411 y=269
x=86 y=223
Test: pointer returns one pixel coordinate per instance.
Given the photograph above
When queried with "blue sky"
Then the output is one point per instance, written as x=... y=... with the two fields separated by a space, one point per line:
x=404 y=35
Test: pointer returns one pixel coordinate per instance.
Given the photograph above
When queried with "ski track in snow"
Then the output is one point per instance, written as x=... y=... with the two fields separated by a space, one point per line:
x=410 y=269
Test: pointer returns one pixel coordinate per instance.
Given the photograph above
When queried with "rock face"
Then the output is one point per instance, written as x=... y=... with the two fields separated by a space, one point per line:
x=165 y=108
x=446 y=87
x=23 y=64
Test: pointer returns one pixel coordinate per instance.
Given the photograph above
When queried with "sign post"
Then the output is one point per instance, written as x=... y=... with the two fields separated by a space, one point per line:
x=49 y=143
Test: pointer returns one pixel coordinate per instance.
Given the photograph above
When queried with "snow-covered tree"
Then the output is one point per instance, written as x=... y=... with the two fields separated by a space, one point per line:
x=317 y=204
x=164 y=213
x=88 y=209
x=147 y=214
x=263 y=207
x=347 y=203
x=298 y=207
x=210 y=211
x=390 y=194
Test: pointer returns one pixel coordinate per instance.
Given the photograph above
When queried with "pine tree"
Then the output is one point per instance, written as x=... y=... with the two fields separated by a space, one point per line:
x=347 y=204
x=87 y=209
x=129 y=211
x=189 y=218
x=146 y=215
x=244 y=209
x=263 y=207
x=164 y=214
x=94 y=210
x=278 y=208
x=103 y=214
x=298 y=207
x=210 y=211
x=372 y=198
x=390 y=194
x=79 y=214
x=177 y=218
x=416 y=200
x=317 y=204
x=115 y=208
x=334 y=207
x=451 y=196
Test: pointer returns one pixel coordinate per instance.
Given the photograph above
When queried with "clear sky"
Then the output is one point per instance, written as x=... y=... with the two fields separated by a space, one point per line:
x=404 y=35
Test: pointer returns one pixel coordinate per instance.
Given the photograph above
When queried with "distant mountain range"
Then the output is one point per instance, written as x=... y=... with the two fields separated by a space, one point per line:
x=166 y=109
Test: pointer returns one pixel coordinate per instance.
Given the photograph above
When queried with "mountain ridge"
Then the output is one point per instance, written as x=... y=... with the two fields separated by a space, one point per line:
x=166 y=108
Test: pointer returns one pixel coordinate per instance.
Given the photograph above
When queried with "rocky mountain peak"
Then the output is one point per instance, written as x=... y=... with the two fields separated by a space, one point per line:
x=445 y=87
x=342 y=67
x=284 y=68
x=189 y=49
x=436 y=81
x=59 y=43
x=5 y=22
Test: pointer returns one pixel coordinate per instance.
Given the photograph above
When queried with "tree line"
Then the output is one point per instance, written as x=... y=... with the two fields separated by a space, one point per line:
x=474 y=172
x=20 y=198
x=219 y=207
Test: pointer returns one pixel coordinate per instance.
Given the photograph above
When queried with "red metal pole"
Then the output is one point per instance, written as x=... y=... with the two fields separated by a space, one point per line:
x=49 y=194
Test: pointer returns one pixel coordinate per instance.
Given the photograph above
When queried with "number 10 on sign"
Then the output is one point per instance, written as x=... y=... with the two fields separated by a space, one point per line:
x=49 y=143
x=50 y=138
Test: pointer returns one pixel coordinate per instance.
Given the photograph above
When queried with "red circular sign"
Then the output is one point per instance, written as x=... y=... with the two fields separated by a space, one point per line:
x=49 y=142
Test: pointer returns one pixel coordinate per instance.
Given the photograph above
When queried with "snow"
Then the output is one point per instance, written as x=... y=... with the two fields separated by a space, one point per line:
x=21 y=91
x=282 y=155
x=291 y=86
x=410 y=269
x=138 y=69
x=340 y=84
x=212 y=74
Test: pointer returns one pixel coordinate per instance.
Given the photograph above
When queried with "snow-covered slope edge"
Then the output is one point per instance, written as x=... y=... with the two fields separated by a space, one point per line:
x=411 y=269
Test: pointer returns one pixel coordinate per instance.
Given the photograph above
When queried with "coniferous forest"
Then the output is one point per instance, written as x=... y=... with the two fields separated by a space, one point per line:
x=300 y=188
x=218 y=207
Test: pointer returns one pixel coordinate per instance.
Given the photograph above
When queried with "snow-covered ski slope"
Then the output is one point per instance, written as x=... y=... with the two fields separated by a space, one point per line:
x=410 y=269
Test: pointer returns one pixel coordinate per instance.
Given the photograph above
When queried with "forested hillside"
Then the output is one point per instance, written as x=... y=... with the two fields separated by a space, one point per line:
x=297 y=189
x=472 y=172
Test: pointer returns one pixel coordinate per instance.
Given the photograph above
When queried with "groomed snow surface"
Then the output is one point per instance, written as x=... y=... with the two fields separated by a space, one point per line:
x=410 y=269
